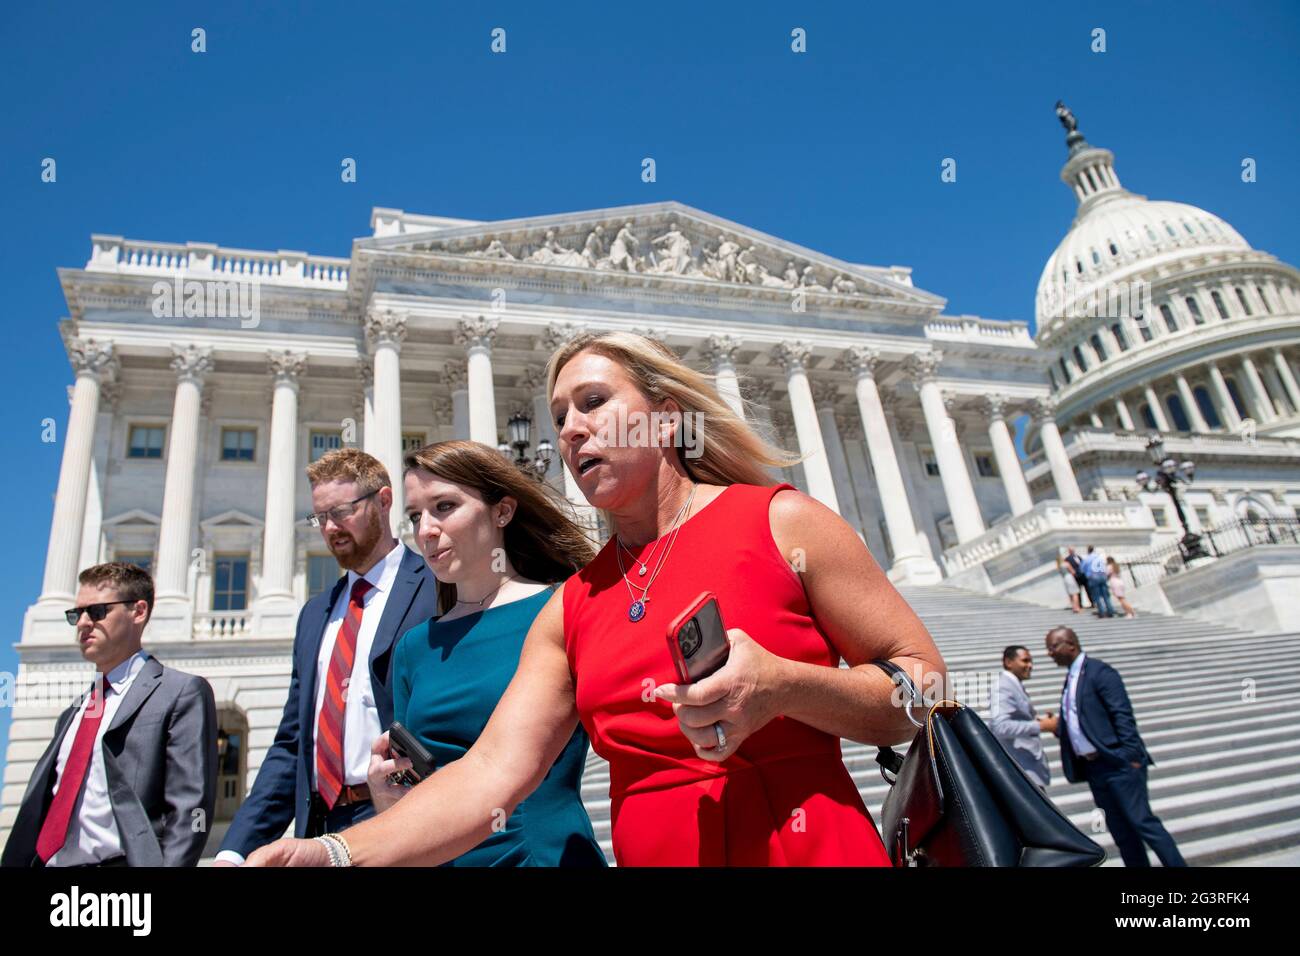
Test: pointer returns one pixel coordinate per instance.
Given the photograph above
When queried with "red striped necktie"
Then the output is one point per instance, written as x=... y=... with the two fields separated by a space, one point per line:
x=54 y=831
x=329 y=731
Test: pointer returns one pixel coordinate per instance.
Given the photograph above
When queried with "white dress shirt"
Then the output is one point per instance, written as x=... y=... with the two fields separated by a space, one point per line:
x=360 y=715
x=1081 y=744
x=92 y=832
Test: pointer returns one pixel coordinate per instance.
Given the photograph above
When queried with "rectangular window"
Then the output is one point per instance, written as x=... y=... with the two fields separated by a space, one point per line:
x=1203 y=516
x=146 y=441
x=230 y=583
x=237 y=444
x=929 y=462
x=413 y=441
x=141 y=559
x=985 y=465
x=1161 y=514
x=322 y=572
x=322 y=442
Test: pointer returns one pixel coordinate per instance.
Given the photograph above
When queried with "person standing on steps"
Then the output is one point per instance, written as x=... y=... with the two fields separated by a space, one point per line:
x=1100 y=744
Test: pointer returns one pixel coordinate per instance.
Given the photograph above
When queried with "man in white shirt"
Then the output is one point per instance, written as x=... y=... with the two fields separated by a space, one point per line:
x=314 y=774
x=130 y=778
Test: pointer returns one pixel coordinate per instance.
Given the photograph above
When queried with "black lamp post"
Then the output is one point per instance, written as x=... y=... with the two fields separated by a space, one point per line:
x=1167 y=476
x=519 y=429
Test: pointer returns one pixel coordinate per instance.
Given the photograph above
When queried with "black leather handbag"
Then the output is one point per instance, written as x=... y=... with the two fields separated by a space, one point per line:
x=959 y=798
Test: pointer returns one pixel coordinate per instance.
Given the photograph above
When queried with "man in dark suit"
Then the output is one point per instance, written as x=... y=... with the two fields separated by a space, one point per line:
x=130 y=778
x=340 y=699
x=1100 y=744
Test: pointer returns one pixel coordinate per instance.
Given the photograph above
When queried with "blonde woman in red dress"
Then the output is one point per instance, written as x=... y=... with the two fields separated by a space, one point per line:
x=741 y=768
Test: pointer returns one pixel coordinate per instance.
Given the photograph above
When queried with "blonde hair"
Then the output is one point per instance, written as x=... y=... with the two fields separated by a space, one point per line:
x=349 y=464
x=541 y=541
x=732 y=452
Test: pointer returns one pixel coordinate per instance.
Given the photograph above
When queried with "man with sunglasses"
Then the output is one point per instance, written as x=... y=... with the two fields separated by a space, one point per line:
x=130 y=778
x=340 y=699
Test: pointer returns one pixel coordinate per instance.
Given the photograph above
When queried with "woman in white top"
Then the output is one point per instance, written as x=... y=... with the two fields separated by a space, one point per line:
x=1118 y=587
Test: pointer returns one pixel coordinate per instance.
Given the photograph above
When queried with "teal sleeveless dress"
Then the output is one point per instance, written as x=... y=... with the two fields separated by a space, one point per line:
x=447 y=680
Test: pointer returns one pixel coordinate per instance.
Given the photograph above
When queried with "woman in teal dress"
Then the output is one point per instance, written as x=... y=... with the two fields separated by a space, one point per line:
x=497 y=543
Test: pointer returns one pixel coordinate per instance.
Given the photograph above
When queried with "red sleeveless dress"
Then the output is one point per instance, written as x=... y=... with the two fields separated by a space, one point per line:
x=785 y=797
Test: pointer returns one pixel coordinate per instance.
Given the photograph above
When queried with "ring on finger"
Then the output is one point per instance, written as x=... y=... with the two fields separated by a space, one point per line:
x=722 y=737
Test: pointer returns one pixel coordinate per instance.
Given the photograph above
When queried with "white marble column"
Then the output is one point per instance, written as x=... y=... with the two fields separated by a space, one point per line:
x=173 y=612
x=720 y=352
x=1004 y=450
x=1125 y=417
x=910 y=565
x=95 y=365
x=794 y=356
x=385 y=332
x=1258 y=394
x=1198 y=422
x=366 y=378
x=1157 y=410
x=758 y=392
x=276 y=608
x=1067 y=488
x=1288 y=378
x=554 y=337
x=456 y=375
x=1227 y=407
x=957 y=489
x=825 y=398
x=476 y=335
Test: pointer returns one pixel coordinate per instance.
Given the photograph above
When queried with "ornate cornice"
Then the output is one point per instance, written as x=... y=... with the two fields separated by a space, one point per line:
x=476 y=332
x=286 y=367
x=89 y=357
x=791 y=355
x=719 y=350
x=385 y=328
x=191 y=363
x=861 y=360
x=456 y=374
x=923 y=367
x=558 y=334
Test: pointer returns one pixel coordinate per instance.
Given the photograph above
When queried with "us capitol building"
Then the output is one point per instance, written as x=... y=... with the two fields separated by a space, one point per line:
x=207 y=378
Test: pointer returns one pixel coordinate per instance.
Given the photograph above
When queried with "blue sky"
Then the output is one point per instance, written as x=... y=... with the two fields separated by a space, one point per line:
x=838 y=149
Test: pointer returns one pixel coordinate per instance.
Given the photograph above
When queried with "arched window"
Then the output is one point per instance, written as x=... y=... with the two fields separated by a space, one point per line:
x=1097 y=347
x=1065 y=369
x=1236 y=397
x=1177 y=414
x=1078 y=266
x=1241 y=297
x=1096 y=259
x=1078 y=359
x=1117 y=330
x=1188 y=227
x=1170 y=322
x=1263 y=298
x=1147 y=418
x=1195 y=310
x=1206 y=406
x=1218 y=304
x=1170 y=229
x=1114 y=251
x=1151 y=234
x=1144 y=327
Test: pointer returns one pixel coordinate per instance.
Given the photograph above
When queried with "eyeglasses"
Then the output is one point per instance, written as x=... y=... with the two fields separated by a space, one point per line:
x=339 y=512
x=97 y=612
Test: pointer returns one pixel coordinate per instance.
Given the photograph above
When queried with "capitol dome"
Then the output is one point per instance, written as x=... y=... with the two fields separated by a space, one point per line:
x=1115 y=232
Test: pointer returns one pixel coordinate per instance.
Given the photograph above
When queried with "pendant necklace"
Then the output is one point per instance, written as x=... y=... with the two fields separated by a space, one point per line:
x=636 y=610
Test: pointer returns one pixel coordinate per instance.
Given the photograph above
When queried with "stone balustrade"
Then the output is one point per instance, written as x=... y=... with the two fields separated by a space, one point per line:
x=222 y=625
x=1078 y=518
x=200 y=260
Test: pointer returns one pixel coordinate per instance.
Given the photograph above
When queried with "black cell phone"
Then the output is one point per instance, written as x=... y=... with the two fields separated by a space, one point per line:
x=402 y=743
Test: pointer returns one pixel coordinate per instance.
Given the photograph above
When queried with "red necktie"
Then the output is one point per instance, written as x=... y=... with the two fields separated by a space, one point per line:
x=329 y=731
x=54 y=831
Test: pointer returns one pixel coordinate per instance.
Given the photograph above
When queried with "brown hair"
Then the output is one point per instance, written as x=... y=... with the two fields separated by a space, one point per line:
x=349 y=464
x=542 y=542
x=731 y=451
x=132 y=583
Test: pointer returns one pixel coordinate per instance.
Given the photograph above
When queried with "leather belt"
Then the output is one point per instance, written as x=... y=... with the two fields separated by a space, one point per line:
x=353 y=793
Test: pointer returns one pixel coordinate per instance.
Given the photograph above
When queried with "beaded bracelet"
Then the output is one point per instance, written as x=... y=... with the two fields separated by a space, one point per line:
x=339 y=852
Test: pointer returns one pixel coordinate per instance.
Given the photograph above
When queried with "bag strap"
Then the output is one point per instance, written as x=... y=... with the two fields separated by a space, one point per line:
x=889 y=760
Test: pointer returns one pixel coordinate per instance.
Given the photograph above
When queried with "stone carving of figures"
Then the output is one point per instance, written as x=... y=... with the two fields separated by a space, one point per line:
x=809 y=280
x=720 y=263
x=550 y=252
x=676 y=250
x=593 y=250
x=494 y=250
x=622 y=255
x=791 y=275
x=844 y=285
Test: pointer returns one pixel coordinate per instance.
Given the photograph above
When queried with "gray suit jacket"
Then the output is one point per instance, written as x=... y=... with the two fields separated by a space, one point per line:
x=1015 y=724
x=160 y=758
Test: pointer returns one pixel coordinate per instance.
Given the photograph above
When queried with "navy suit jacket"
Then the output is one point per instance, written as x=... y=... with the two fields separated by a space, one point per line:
x=282 y=791
x=1106 y=719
